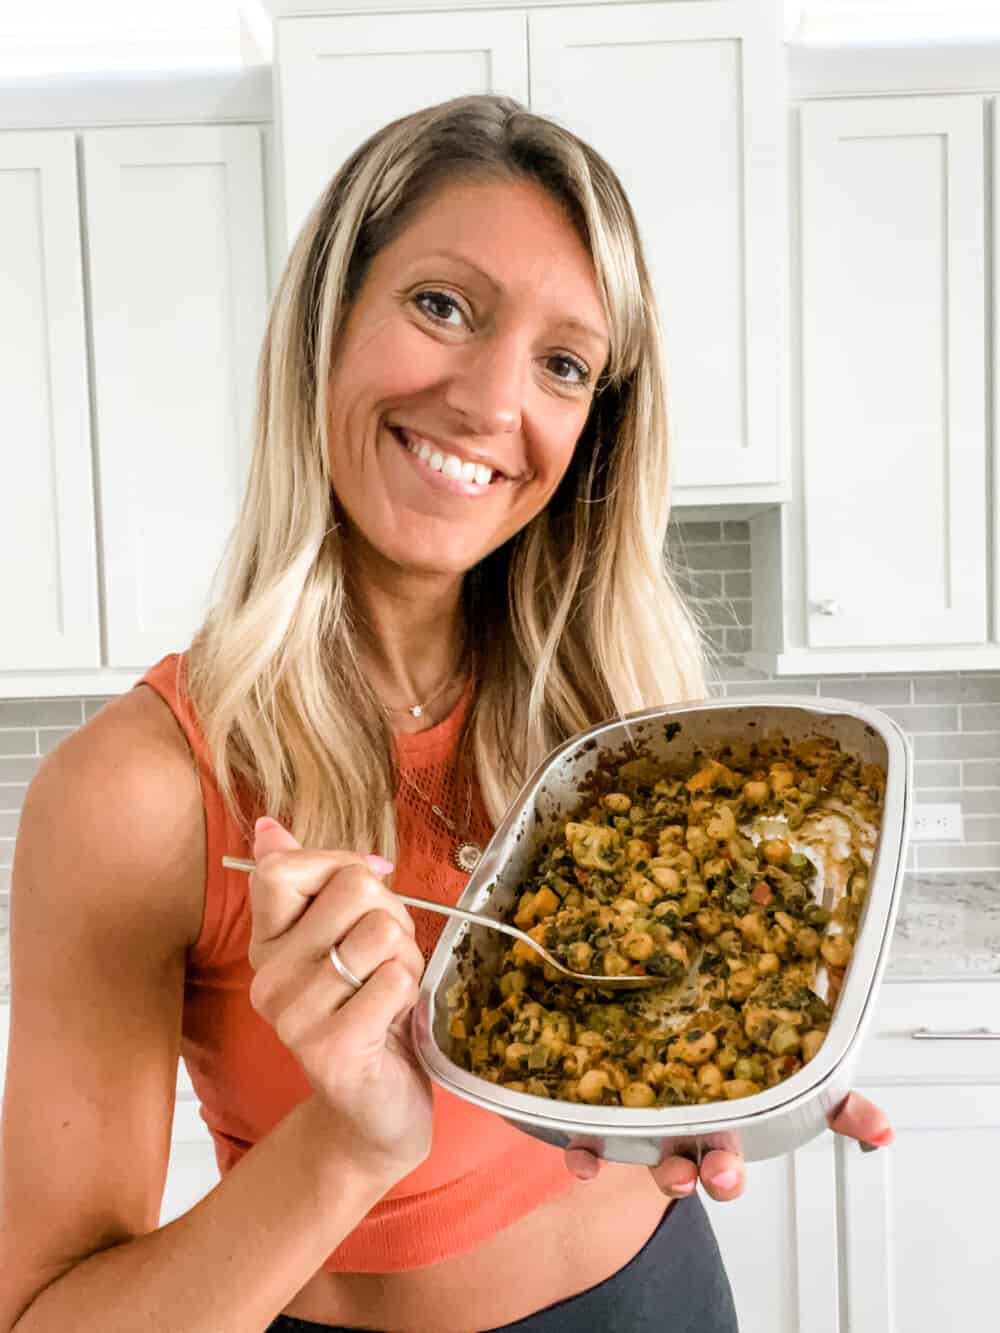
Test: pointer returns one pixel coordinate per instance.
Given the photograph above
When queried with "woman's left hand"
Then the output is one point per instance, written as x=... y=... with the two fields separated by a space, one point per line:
x=722 y=1173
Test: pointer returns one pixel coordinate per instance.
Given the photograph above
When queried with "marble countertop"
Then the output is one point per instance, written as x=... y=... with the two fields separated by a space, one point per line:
x=948 y=926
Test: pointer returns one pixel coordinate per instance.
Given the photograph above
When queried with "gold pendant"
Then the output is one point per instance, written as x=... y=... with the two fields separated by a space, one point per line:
x=416 y=710
x=467 y=856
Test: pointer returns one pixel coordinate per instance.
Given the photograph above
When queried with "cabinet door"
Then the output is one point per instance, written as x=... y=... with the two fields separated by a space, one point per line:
x=178 y=282
x=48 y=595
x=893 y=388
x=922 y=1246
x=342 y=78
x=685 y=100
x=779 y=1243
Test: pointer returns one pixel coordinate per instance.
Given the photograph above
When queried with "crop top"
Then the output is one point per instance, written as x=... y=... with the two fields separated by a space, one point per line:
x=482 y=1174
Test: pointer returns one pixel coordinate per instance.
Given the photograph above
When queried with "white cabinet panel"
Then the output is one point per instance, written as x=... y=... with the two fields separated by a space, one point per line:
x=922 y=1247
x=685 y=100
x=48 y=589
x=178 y=281
x=893 y=390
x=342 y=78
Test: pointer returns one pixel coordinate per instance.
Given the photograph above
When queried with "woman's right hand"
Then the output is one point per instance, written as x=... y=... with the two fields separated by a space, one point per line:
x=354 y=1046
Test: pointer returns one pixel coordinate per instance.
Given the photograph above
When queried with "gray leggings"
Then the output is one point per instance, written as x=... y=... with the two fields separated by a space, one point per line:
x=675 y=1284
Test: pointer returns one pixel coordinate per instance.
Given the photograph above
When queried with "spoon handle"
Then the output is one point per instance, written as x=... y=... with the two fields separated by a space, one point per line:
x=473 y=918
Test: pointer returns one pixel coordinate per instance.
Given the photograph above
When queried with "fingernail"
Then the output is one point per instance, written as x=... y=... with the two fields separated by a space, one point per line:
x=883 y=1137
x=265 y=822
x=379 y=864
x=683 y=1189
x=726 y=1180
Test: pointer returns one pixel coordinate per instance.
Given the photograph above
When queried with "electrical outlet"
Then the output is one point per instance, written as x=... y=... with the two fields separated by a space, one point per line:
x=937 y=823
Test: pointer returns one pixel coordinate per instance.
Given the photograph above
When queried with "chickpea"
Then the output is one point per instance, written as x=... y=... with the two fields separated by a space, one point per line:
x=776 y=851
x=666 y=909
x=741 y=983
x=637 y=850
x=618 y=802
x=625 y=907
x=781 y=778
x=710 y=1080
x=693 y=898
x=617 y=1077
x=739 y=1087
x=698 y=843
x=709 y=922
x=811 y=1042
x=592 y=1041
x=638 y=1094
x=613 y=964
x=807 y=942
x=515 y=1054
x=676 y=949
x=756 y=793
x=787 y=923
x=524 y=953
x=722 y=825
x=777 y=941
x=784 y=1040
x=753 y=928
x=694 y=1048
x=513 y=983
x=666 y=878
x=592 y=1085
x=768 y=965
x=655 y=1073
x=578 y=955
x=837 y=950
x=638 y=945
x=646 y=892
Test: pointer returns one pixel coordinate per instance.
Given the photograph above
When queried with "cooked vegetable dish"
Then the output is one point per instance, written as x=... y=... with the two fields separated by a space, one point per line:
x=740 y=882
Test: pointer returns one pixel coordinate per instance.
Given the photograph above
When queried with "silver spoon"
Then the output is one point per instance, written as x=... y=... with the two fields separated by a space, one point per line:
x=629 y=982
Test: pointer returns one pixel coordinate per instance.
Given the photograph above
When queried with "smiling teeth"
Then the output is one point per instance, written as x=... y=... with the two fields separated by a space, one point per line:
x=447 y=464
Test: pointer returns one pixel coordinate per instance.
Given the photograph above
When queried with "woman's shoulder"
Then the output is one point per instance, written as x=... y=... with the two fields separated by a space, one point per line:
x=124 y=789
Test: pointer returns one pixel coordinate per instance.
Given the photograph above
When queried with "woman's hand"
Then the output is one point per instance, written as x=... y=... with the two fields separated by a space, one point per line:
x=722 y=1173
x=353 y=1045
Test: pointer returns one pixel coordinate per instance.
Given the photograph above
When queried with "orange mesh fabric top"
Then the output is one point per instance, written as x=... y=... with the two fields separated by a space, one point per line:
x=481 y=1174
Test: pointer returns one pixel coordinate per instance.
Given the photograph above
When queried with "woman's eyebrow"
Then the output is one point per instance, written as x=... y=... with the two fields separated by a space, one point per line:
x=564 y=321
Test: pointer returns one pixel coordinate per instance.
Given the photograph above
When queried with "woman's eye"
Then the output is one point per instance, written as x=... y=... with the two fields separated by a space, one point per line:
x=574 y=368
x=440 y=307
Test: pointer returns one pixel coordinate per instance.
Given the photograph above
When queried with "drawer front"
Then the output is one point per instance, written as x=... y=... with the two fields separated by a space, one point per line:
x=933 y=1031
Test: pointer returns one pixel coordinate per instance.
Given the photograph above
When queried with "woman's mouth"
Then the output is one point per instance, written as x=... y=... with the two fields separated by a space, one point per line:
x=446 y=471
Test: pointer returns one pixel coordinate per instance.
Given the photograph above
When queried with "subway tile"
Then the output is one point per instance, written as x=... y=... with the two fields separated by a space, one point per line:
x=715 y=689
x=17 y=770
x=960 y=745
x=980 y=717
x=6 y=853
x=50 y=737
x=725 y=555
x=977 y=773
x=714 y=611
x=17 y=741
x=925 y=719
x=40 y=713
x=766 y=687
x=958 y=856
x=8 y=823
x=92 y=706
x=738 y=640
x=717 y=638
x=868 y=689
x=911 y=858
x=12 y=796
x=698 y=586
x=984 y=802
x=697 y=532
x=980 y=828
x=734 y=670
x=937 y=775
x=736 y=531
x=737 y=585
x=4 y=885
x=976 y=688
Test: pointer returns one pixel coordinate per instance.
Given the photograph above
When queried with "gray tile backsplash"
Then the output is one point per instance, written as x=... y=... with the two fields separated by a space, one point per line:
x=954 y=719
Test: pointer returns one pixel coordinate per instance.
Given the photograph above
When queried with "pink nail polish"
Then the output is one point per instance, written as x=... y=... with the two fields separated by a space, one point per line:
x=726 y=1180
x=683 y=1189
x=265 y=822
x=379 y=864
x=883 y=1137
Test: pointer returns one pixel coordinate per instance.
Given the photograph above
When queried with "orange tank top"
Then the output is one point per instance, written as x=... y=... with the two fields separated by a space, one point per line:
x=481 y=1174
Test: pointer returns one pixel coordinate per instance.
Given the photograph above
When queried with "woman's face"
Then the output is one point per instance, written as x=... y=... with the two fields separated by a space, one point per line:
x=464 y=375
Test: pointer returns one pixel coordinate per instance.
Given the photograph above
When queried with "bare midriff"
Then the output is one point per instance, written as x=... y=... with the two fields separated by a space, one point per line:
x=577 y=1240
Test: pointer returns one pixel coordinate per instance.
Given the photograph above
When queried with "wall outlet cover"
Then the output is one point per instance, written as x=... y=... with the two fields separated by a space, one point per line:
x=937 y=823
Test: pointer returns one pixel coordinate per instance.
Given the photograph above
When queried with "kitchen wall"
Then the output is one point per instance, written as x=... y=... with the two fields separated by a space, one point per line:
x=954 y=719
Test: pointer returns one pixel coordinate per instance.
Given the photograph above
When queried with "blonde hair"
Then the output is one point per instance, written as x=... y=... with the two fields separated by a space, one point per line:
x=574 y=620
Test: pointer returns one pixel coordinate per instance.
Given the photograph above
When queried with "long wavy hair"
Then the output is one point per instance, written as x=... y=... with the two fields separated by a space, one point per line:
x=575 y=619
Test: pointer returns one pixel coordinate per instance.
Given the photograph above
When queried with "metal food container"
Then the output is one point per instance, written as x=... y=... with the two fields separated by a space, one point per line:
x=764 y=1124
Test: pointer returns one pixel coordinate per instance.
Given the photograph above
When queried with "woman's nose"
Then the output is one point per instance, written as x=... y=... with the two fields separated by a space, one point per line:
x=488 y=385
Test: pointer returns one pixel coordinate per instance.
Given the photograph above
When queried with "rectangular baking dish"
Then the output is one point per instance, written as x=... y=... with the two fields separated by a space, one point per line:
x=765 y=1124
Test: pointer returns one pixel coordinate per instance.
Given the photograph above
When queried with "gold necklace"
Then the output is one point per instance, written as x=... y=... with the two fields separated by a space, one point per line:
x=417 y=710
x=466 y=854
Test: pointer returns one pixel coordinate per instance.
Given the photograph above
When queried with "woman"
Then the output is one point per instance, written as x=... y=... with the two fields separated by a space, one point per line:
x=448 y=559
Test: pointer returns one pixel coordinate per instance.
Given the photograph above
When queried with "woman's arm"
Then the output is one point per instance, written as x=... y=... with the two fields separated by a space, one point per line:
x=107 y=896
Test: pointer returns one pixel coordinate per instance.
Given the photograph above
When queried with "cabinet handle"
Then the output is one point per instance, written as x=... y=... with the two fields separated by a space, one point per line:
x=970 y=1034
x=829 y=606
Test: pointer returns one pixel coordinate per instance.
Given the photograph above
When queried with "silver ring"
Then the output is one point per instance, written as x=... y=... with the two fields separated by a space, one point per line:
x=342 y=970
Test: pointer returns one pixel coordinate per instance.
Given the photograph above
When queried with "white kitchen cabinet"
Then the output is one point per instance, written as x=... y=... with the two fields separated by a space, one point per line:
x=686 y=102
x=890 y=508
x=177 y=263
x=340 y=78
x=48 y=550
